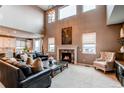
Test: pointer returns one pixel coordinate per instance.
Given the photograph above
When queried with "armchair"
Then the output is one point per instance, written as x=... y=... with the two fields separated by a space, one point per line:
x=105 y=62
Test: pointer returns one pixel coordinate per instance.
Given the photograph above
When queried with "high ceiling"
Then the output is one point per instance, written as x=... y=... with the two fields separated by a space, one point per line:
x=116 y=14
x=23 y=17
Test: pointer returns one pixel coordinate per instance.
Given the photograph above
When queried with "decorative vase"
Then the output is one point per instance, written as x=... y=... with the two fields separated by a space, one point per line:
x=122 y=49
x=121 y=33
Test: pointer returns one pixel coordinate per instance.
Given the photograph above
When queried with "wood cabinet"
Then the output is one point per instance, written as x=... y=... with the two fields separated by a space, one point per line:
x=7 y=42
x=29 y=44
x=120 y=71
x=12 y=42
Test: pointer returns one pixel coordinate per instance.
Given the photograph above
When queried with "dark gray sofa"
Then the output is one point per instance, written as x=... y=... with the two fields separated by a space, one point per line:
x=13 y=77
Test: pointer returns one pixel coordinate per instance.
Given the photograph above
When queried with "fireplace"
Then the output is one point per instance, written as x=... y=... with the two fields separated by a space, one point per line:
x=67 y=53
x=66 y=57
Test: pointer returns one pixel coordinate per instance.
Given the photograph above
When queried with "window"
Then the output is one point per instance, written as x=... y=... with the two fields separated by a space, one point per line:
x=67 y=11
x=51 y=16
x=20 y=44
x=89 y=43
x=88 y=7
x=37 y=45
x=51 y=44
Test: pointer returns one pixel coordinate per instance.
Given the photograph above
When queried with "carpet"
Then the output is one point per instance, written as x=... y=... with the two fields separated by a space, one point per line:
x=83 y=77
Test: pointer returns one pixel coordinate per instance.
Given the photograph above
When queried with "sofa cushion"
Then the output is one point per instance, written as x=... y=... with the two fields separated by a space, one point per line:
x=38 y=54
x=5 y=58
x=37 y=65
x=29 y=61
x=100 y=64
x=103 y=55
x=24 y=68
x=12 y=60
x=34 y=56
x=110 y=56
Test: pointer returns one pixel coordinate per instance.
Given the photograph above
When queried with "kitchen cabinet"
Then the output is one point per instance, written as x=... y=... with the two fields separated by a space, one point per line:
x=7 y=42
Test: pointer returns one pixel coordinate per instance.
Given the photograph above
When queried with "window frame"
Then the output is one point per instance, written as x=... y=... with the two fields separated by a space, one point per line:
x=67 y=16
x=51 y=20
x=83 y=9
x=20 y=45
x=88 y=43
x=38 y=40
x=51 y=44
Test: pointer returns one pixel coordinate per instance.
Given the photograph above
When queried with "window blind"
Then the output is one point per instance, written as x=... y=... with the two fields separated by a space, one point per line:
x=51 y=41
x=89 y=38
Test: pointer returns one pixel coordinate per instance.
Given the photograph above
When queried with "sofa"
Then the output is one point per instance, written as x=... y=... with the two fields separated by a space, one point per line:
x=34 y=55
x=39 y=54
x=13 y=77
x=105 y=62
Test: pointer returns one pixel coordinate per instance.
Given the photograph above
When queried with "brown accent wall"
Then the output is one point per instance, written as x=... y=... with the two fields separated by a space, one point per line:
x=92 y=21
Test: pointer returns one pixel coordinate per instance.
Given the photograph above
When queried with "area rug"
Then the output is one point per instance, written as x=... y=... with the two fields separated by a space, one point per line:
x=83 y=77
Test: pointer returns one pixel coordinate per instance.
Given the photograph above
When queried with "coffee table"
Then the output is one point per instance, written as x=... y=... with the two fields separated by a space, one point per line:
x=63 y=64
x=57 y=67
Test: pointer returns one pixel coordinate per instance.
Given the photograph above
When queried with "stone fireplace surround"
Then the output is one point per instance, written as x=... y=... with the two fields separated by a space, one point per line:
x=67 y=49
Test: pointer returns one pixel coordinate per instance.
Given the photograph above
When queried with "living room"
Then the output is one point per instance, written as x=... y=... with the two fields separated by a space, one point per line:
x=57 y=46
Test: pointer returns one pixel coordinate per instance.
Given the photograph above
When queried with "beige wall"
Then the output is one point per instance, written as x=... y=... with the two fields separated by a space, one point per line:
x=92 y=21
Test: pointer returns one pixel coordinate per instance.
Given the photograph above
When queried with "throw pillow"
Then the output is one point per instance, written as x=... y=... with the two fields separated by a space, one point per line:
x=29 y=61
x=37 y=65
x=38 y=54
x=12 y=60
x=25 y=69
x=24 y=57
x=5 y=58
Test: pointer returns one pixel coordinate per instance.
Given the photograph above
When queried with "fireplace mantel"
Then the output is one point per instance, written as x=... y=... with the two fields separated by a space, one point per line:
x=68 y=47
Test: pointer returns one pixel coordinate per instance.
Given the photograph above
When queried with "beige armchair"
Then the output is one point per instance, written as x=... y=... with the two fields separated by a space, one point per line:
x=105 y=62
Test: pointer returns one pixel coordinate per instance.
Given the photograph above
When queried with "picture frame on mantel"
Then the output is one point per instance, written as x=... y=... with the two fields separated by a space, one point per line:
x=67 y=36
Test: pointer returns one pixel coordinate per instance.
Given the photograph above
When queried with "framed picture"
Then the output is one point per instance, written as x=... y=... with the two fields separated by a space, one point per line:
x=67 y=35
